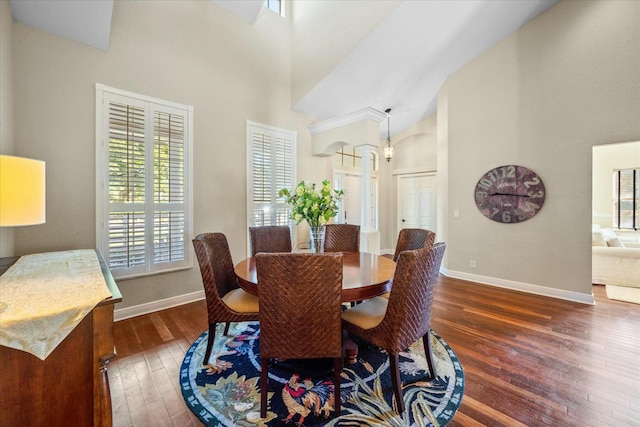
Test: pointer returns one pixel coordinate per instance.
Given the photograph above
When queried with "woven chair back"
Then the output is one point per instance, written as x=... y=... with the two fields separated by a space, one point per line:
x=300 y=305
x=413 y=238
x=270 y=238
x=216 y=267
x=342 y=238
x=408 y=313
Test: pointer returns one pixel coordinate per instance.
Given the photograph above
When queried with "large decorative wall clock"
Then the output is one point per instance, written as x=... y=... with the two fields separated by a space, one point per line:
x=510 y=194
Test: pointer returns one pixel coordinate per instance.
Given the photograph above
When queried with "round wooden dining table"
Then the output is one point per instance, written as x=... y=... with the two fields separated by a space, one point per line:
x=364 y=275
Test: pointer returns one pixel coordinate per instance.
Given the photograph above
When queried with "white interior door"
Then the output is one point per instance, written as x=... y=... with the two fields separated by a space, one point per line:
x=351 y=206
x=352 y=199
x=416 y=202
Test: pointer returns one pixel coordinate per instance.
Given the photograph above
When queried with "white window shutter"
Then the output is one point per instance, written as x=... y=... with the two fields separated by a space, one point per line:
x=144 y=201
x=271 y=167
x=262 y=171
x=168 y=186
x=126 y=182
x=282 y=177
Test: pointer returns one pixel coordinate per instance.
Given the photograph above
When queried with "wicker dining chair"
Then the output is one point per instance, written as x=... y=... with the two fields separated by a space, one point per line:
x=342 y=238
x=270 y=238
x=413 y=238
x=410 y=239
x=226 y=301
x=300 y=307
x=394 y=324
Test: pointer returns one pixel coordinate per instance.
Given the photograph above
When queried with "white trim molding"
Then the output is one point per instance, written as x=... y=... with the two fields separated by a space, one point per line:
x=150 y=307
x=346 y=119
x=522 y=287
x=413 y=171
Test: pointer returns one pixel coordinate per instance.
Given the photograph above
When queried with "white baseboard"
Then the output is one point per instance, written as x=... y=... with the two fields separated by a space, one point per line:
x=523 y=287
x=150 y=307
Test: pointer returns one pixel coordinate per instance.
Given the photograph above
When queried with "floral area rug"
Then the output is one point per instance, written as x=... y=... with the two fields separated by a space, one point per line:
x=226 y=391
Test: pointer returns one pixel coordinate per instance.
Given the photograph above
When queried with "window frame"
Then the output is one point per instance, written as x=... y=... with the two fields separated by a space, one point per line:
x=150 y=105
x=340 y=155
x=280 y=3
x=283 y=133
x=635 y=199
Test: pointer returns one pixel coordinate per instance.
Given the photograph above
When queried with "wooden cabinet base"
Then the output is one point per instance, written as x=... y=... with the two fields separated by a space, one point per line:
x=52 y=392
x=65 y=389
x=70 y=387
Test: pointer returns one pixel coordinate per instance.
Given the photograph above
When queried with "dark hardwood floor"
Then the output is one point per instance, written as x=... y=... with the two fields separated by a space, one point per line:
x=528 y=360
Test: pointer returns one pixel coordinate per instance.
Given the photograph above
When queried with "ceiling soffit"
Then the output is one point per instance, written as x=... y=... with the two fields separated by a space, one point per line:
x=87 y=22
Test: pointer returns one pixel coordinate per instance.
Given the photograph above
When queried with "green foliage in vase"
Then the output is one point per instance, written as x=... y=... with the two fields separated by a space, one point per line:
x=316 y=206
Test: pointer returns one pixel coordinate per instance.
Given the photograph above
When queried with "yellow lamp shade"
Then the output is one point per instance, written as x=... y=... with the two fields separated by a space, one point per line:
x=22 y=191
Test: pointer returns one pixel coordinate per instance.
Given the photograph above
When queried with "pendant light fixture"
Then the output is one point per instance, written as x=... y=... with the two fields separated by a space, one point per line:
x=388 y=149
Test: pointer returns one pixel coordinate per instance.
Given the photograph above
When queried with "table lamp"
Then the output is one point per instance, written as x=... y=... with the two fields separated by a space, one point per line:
x=22 y=191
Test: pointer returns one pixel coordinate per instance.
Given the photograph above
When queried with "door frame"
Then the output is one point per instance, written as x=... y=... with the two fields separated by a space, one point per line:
x=398 y=213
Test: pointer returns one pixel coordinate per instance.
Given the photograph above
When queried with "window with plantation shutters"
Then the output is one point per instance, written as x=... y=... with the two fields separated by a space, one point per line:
x=144 y=181
x=271 y=167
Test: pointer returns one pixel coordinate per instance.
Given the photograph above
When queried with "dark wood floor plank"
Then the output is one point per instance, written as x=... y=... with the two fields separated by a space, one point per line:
x=161 y=327
x=126 y=337
x=147 y=333
x=493 y=417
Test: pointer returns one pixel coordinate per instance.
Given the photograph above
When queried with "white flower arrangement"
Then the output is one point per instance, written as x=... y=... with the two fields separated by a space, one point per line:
x=315 y=206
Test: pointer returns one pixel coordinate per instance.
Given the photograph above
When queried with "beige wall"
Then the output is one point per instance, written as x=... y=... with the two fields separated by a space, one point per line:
x=6 y=108
x=193 y=53
x=541 y=98
x=606 y=159
x=415 y=148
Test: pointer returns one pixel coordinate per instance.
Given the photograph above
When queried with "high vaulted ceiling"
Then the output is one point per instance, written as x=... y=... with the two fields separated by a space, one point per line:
x=400 y=64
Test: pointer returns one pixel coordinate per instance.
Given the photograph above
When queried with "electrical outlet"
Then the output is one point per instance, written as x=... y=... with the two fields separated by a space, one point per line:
x=472 y=263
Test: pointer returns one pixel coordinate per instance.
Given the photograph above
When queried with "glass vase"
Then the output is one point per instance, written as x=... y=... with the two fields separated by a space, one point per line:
x=316 y=238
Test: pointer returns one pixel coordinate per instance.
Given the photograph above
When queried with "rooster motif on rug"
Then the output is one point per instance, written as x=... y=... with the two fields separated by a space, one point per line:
x=306 y=397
